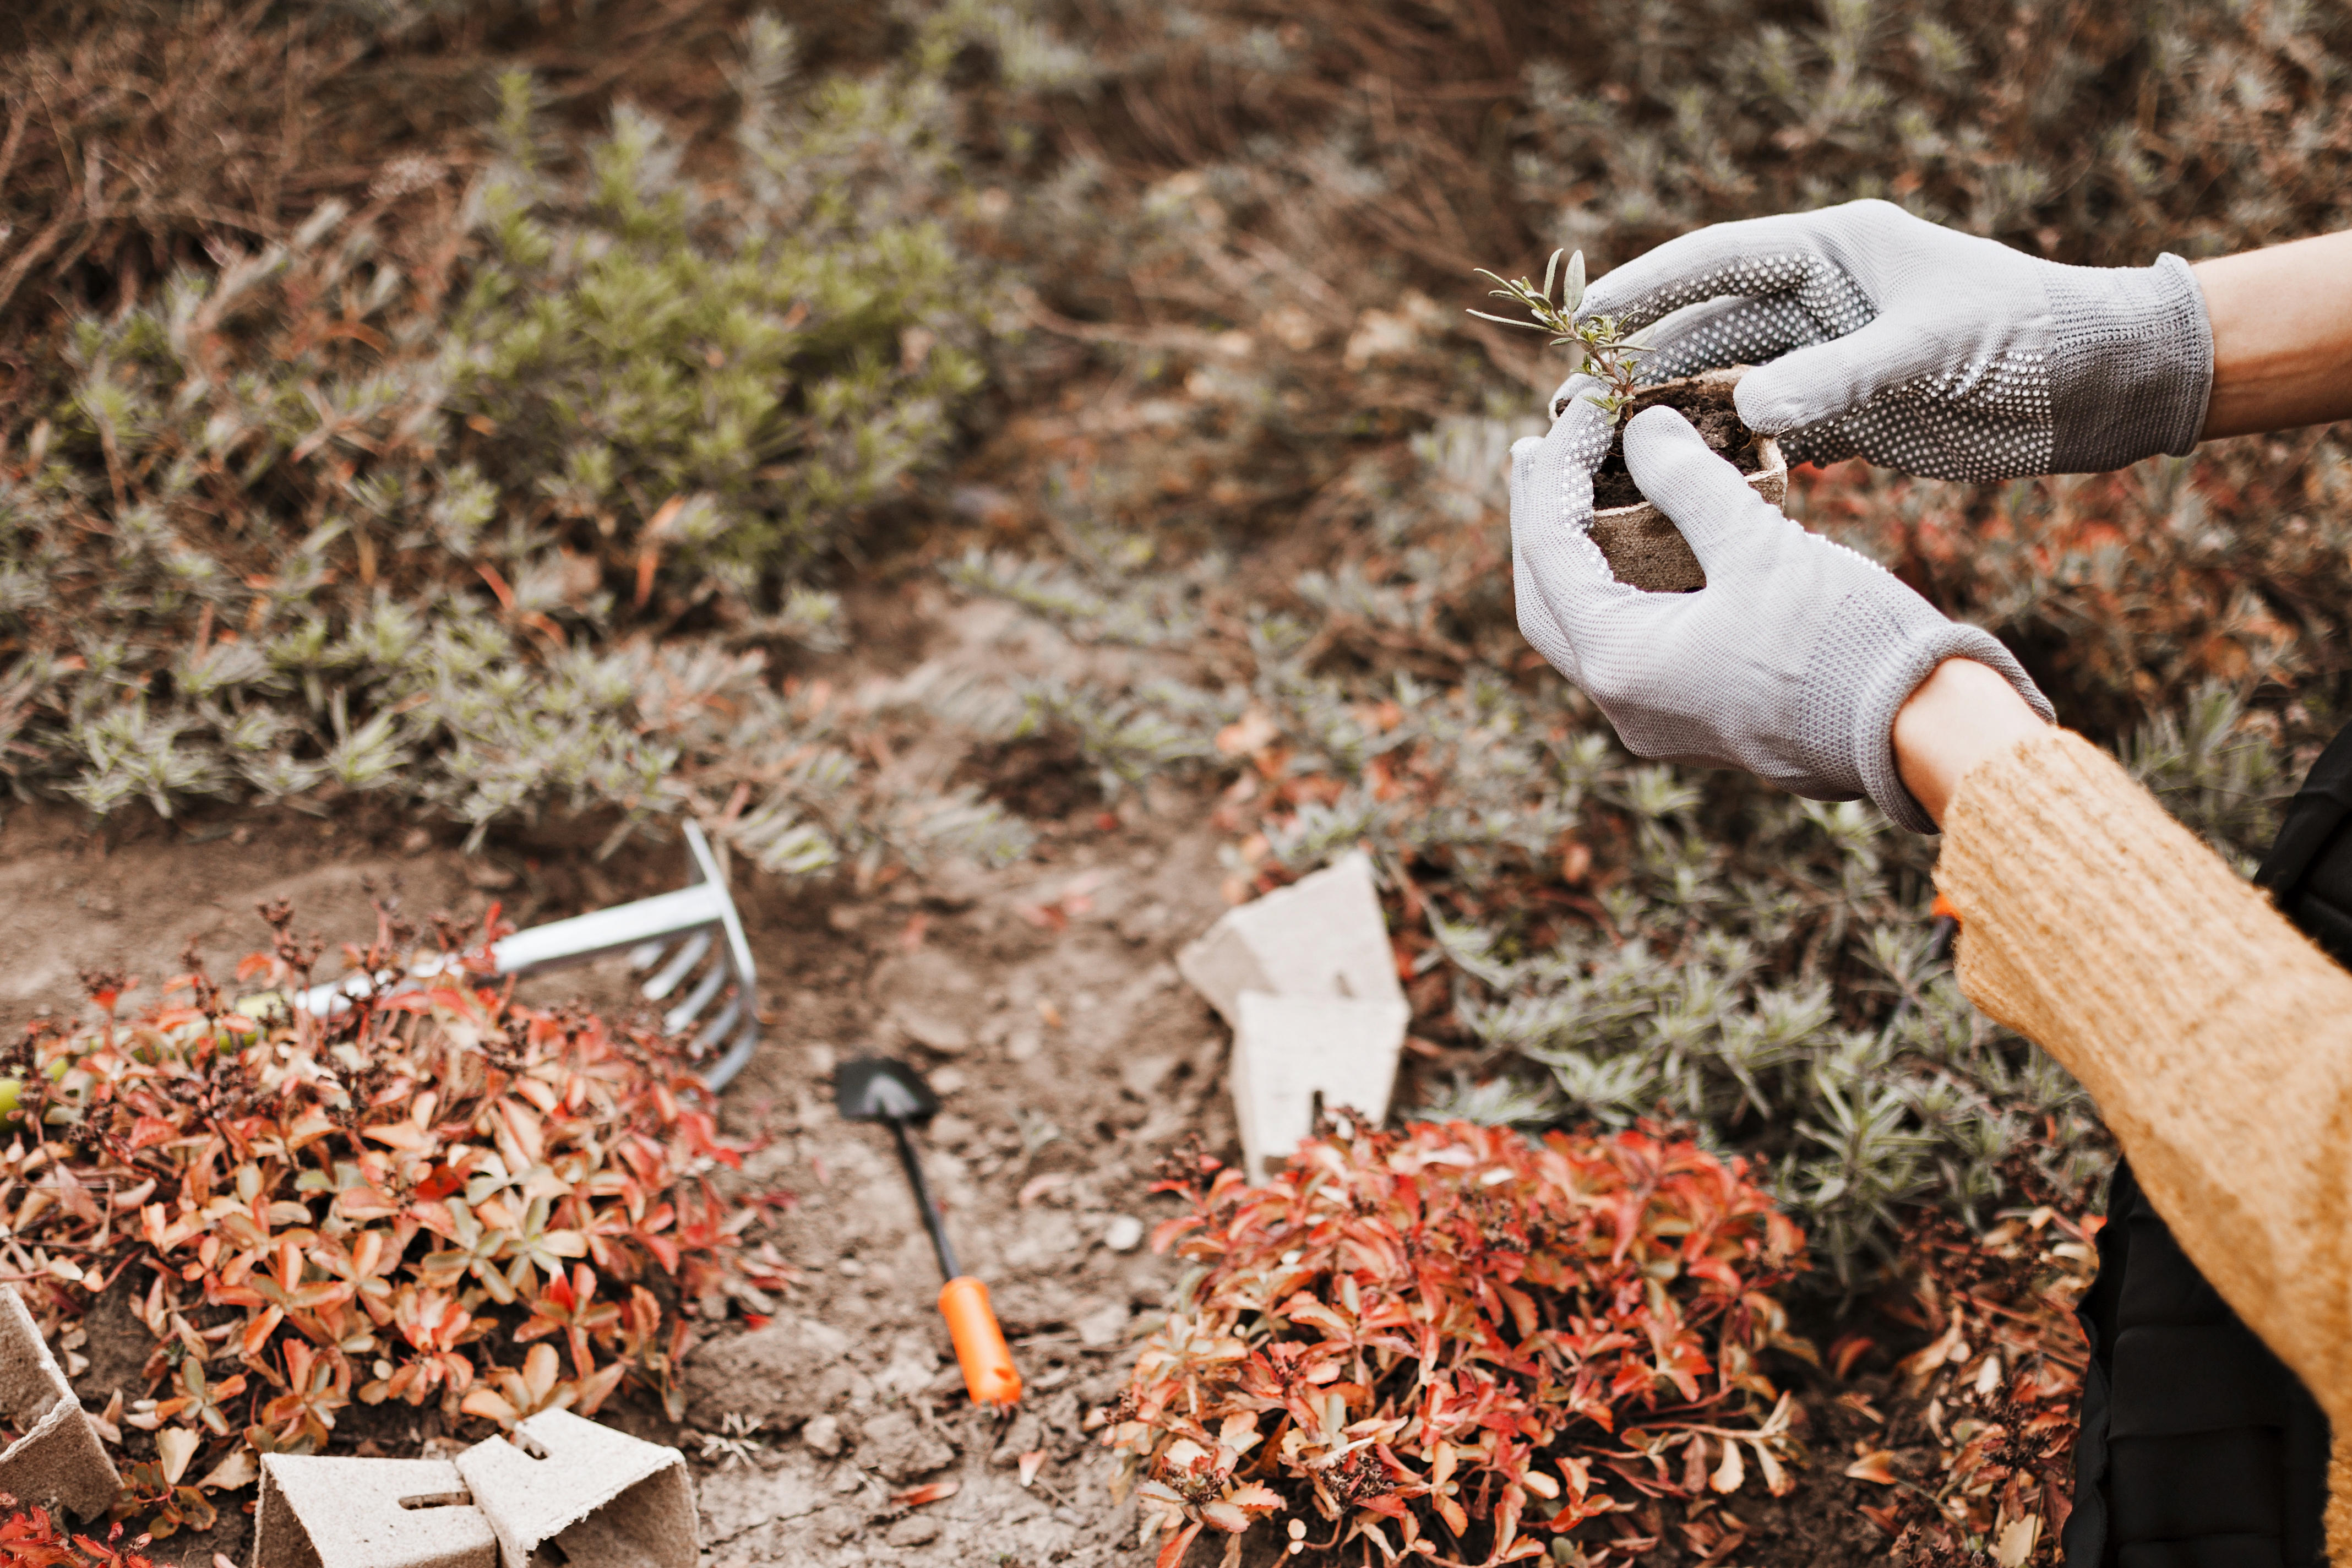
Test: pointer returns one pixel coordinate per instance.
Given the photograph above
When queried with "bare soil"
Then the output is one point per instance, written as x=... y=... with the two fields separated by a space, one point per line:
x=1711 y=412
x=1043 y=1005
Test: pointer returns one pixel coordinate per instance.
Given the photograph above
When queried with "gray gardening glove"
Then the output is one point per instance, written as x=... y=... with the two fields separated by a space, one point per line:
x=1883 y=336
x=1791 y=662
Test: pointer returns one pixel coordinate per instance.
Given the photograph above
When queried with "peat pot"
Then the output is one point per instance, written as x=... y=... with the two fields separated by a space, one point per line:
x=1643 y=548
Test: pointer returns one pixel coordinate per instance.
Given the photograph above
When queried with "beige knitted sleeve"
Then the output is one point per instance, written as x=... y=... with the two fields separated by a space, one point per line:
x=2216 y=1040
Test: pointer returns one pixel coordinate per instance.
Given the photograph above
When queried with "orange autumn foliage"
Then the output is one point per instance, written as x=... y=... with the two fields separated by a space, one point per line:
x=390 y=1203
x=1457 y=1342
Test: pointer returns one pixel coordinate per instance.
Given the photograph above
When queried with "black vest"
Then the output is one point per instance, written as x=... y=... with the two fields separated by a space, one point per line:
x=2198 y=1450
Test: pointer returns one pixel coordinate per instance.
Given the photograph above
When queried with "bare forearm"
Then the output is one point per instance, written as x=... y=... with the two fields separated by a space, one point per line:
x=2281 y=336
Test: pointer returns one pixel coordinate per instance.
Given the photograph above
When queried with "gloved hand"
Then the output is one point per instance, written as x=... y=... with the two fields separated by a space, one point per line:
x=1791 y=662
x=1883 y=336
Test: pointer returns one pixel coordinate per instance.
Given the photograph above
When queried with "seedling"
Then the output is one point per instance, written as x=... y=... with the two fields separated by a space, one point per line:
x=1608 y=353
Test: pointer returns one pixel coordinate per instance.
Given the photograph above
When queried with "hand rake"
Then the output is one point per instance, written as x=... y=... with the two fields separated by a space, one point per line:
x=692 y=933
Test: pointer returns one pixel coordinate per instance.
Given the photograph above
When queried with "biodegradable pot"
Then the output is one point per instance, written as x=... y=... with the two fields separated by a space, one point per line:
x=1643 y=548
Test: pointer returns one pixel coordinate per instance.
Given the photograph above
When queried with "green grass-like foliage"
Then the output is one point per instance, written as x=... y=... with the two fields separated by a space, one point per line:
x=373 y=508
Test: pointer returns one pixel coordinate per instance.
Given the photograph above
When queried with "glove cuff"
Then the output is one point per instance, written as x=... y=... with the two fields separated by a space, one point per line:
x=1892 y=686
x=2132 y=370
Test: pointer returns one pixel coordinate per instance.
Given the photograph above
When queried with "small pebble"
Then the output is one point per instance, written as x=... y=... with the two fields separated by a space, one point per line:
x=823 y=1435
x=1106 y=1325
x=1124 y=1234
x=914 y=1531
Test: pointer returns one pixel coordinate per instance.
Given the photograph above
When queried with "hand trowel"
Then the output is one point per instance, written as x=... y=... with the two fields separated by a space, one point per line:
x=874 y=1088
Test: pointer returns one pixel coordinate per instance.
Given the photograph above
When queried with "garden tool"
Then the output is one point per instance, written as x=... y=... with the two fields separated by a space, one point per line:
x=693 y=931
x=874 y=1088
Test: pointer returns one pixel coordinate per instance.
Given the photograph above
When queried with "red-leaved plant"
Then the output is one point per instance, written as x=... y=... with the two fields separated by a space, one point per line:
x=417 y=1199
x=31 y=1538
x=1457 y=1343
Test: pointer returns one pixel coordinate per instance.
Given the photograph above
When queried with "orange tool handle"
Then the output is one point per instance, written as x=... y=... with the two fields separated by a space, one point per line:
x=980 y=1347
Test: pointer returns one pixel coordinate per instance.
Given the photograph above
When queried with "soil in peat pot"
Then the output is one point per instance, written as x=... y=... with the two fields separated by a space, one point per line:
x=1708 y=407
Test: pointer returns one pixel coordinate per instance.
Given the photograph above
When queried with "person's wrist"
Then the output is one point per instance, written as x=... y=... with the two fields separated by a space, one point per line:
x=1962 y=713
x=2281 y=327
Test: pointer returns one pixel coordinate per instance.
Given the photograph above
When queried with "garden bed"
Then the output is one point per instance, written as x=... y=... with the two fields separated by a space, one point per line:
x=1087 y=1063
x=1086 y=511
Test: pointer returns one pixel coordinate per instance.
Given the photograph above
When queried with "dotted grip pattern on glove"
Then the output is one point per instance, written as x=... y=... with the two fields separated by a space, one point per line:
x=1886 y=337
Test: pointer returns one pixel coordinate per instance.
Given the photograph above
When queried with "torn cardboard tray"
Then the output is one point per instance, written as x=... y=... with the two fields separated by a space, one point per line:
x=58 y=1462
x=600 y=1498
x=1307 y=978
x=1321 y=936
x=1292 y=1052
x=320 y=1512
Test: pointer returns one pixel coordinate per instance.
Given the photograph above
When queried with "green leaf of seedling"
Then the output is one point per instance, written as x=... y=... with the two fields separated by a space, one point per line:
x=1552 y=267
x=1571 y=294
x=1505 y=321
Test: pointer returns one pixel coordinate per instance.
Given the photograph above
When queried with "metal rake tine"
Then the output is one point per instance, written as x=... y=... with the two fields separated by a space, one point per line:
x=722 y=1071
x=701 y=913
x=715 y=1030
x=682 y=962
x=676 y=1020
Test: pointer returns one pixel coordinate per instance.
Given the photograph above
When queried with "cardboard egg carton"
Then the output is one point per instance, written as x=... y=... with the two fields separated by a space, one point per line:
x=566 y=1491
x=1307 y=979
x=58 y=1463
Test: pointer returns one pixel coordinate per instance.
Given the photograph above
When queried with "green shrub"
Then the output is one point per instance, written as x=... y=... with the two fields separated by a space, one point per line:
x=396 y=508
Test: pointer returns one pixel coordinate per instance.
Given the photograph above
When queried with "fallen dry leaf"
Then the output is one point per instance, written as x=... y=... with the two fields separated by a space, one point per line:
x=1859 y=1403
x=175 y=1445
x=915 y=1497
x=1031 y=1463
x=1877 y=1466
x=2016 y=1541
x=1037 y=1187
x=1253 y=731
x=236 y=1471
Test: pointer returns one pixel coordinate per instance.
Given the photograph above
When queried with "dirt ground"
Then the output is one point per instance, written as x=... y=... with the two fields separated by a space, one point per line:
x=1042 y=1000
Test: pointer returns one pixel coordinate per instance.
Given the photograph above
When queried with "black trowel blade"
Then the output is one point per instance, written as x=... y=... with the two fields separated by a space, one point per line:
x=875 y=1088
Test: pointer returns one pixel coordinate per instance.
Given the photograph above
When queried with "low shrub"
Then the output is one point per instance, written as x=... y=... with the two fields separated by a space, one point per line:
x=415 y=1200
x=1999 y=1386
x=445 y=496
x=33 y=1539
x=1455 y=1340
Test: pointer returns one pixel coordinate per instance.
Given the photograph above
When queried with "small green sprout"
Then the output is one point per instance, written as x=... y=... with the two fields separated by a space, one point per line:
x=1608 y=353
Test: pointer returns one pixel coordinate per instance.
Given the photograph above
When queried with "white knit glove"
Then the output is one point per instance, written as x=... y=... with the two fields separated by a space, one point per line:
x=1883 y=336
x=1791 y=662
